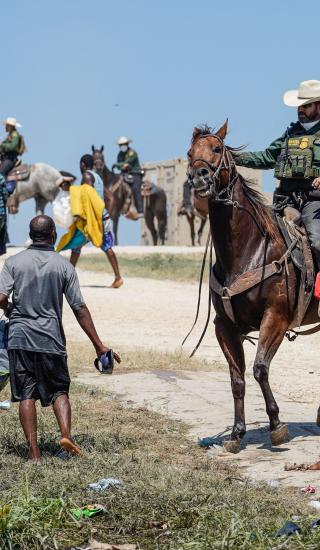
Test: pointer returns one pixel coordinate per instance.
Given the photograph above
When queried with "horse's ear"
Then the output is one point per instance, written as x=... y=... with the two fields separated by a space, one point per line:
x=222 y=132
x=102 y=148
x=92 y=148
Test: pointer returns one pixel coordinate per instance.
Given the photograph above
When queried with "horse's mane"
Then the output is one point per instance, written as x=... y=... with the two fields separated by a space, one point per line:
x=203 y=130
x=255 y=197
x=262 y=209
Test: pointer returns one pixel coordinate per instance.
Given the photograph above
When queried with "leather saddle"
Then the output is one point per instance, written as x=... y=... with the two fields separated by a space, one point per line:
x=19 y=172
x=295 y=237
x=148 y=188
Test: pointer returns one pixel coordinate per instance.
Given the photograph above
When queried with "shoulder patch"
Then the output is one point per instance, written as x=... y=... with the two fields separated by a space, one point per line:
x=131 y=153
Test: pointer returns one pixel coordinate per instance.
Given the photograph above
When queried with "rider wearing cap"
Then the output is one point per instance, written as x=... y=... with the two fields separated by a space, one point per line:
x=10 y=147
x=295 y=158
x=128 y=162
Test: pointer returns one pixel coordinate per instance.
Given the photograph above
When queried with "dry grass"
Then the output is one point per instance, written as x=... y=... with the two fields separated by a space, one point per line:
x=81 y=358
x=167 y=479
x=155 y=266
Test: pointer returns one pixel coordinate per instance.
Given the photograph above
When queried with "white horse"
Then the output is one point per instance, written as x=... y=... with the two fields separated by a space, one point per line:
x=42 y=184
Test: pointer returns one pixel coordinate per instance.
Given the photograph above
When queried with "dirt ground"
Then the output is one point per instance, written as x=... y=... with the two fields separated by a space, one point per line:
x=153 y=314
x=157 y=314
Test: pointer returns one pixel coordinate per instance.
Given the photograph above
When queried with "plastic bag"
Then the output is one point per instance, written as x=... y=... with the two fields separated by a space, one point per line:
x=61 y=209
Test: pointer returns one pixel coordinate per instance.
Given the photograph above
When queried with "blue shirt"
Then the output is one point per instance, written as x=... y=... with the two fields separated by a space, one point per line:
x=98 y=185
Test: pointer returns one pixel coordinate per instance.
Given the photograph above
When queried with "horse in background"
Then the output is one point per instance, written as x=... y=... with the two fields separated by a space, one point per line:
x=118 y=199
x=39 y=181
x=199 y=209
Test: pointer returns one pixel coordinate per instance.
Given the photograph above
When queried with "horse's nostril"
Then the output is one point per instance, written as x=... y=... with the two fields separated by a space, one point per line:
x=203 y=172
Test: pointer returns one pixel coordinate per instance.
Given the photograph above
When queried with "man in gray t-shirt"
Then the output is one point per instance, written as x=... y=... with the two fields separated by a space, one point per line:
x=38 y=278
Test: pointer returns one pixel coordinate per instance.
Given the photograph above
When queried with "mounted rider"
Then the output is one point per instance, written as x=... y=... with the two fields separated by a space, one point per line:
x=295 y=157
x=128 y=163
x=11 y=147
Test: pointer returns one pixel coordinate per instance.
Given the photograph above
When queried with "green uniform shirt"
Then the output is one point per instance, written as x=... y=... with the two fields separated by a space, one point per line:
x=129 y=157
x=267 y=159
x=11 y=143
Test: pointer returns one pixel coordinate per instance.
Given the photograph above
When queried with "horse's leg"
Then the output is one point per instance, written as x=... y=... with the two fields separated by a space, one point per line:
x=41 y=204
x=162 y=229
x=202 y=224
x=272 y=330
x=150 y=224
x=190 y=219
x=115 y=223
x=230 y=342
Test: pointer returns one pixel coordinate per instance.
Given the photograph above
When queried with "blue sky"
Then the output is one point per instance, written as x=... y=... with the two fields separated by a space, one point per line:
x=77 y=72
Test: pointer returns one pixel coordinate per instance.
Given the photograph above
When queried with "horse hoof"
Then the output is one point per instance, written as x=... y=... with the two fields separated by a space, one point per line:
x=232 y=446
x=279 y=435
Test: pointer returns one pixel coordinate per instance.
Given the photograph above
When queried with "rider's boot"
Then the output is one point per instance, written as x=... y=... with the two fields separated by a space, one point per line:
x=136 y=190
x=186 y=208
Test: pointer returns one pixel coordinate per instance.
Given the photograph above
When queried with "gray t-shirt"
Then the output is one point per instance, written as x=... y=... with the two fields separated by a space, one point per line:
x=38 y=278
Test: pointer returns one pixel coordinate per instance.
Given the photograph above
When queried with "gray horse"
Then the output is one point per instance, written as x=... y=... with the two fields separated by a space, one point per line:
x=40 y=181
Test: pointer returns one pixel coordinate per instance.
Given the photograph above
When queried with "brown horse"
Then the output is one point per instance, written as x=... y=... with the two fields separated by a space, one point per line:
x=118 y=198
x=247 y=245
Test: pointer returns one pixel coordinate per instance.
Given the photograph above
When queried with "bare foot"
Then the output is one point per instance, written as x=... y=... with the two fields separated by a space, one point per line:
x=117 y=283
x=315 y=466
x=34 y=456
x=69 y=446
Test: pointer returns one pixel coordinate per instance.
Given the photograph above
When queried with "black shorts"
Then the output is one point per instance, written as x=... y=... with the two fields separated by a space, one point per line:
x=35 y=375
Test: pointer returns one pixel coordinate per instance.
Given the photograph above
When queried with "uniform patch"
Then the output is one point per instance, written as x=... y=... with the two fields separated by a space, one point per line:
x=293 y=142
x=304 y=143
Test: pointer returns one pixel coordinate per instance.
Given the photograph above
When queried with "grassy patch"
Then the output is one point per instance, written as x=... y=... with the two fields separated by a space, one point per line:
x=154 y=266
x=81 y=358
x=168 y=479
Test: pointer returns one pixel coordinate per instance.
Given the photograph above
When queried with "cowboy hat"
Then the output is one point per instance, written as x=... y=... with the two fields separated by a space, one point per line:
x=308 y=92
x=123 y=140
x=12 y=122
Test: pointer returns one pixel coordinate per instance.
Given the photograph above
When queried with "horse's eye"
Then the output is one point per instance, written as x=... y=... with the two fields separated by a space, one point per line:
x=216 y=149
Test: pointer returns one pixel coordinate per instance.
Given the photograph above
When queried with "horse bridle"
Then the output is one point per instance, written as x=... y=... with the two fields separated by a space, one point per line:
x=226 y=162
x=225 y=194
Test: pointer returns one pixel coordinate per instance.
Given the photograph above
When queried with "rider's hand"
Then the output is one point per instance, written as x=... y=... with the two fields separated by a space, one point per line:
x=104 y=349
x=125 y=167
x=316 y=183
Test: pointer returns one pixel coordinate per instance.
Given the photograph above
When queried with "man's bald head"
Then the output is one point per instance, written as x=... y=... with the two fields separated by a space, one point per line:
x=87 y=178
x=43 y=229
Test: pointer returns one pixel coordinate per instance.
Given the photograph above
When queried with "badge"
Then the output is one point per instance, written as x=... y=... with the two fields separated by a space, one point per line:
x=293 y=142
x=304 y=143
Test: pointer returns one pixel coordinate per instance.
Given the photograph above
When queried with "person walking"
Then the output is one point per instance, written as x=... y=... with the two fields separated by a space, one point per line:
x=39 y=278
x=86 y=165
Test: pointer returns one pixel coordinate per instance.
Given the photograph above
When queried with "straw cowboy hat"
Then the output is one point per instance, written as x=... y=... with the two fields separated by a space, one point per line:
x=123 y=140
x=308 y=92
x=12 y=122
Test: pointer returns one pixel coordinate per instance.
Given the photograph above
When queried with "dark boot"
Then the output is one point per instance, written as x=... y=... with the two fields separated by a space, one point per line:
x=136 y=190
x=186 y=208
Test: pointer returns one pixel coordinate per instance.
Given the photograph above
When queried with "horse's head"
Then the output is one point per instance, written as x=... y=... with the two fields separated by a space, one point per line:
x=98 y=159
x=210 y=163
